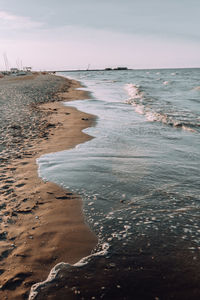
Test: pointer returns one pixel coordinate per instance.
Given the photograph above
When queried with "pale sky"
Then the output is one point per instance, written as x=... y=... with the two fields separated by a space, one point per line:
x=71 y=34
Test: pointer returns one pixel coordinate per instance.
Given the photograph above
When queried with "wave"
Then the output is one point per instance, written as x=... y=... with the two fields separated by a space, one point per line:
x=168 y=120
x=134 y=92
x=141 y=104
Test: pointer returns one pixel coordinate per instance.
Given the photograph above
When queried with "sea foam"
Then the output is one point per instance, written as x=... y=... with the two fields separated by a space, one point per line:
x=62 y=267
x=133 y=91
x=141 y=104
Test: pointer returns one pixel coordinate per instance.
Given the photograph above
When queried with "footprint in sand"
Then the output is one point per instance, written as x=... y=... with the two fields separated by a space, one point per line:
x=19 y=185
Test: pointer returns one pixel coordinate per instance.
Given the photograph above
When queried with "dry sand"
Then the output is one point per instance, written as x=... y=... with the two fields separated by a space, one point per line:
x=42 y=224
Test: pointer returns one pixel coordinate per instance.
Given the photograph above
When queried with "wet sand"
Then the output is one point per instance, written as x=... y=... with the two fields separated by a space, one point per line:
x=41 y=224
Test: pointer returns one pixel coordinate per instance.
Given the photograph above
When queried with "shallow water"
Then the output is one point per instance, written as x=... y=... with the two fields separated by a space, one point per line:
x=138 y=175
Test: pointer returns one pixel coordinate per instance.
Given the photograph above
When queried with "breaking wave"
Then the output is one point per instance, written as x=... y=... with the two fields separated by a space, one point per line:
x=157 y=112
x=133 y=91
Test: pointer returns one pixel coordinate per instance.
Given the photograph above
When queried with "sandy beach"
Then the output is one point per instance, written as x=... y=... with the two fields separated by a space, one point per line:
x=41 y=224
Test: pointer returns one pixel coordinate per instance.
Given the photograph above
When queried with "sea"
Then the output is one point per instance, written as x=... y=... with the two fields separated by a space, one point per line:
x=139 y=177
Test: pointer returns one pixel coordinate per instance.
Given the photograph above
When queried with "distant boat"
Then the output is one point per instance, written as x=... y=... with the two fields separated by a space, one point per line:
x=21 y=73
x=14 y=70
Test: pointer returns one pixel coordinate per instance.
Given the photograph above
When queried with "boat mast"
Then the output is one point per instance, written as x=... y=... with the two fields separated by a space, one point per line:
x=6 y=61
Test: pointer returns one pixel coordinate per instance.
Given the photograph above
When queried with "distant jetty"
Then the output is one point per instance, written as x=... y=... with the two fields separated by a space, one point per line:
x=28 y=71
x=95 y=70
x=116 y=69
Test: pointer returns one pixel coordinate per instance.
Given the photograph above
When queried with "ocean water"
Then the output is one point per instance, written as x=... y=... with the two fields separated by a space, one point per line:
x=139 y=175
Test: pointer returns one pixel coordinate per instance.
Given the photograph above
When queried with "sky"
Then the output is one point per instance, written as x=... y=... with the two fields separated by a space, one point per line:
x=77 y=34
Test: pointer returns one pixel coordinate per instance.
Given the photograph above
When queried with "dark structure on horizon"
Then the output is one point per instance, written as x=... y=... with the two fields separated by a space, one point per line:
x=116 y=69
x=91 y=70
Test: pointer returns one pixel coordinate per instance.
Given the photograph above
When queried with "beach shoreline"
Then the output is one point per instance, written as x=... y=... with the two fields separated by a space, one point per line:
x=43 y=224
x=137 y=199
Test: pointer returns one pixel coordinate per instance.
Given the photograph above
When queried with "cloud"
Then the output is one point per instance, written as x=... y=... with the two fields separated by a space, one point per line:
x=10 y=21
x=75 y=47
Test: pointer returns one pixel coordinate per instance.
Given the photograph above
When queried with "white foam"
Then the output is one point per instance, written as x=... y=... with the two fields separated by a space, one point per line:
x=62 y=266
x=165 y=82
x=133 y=91
x=188 y=129
x=139 y=109
x=151 y=117
x=85 y=260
